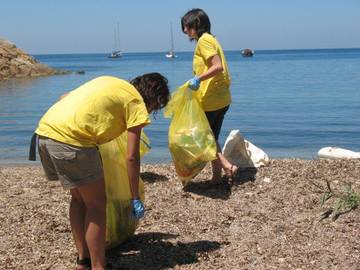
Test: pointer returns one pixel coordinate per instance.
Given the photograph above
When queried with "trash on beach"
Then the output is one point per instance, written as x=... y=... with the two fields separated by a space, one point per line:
x=243 y=153
x=337 y=153
x=120 y=226
x=191 y=142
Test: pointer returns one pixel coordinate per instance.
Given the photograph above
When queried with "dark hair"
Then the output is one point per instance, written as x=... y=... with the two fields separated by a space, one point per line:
x=153 y=87
x=198 y=20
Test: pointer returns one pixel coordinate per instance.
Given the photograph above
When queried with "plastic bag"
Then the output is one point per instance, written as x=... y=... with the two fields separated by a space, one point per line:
x=119 y=224
x=191 y=142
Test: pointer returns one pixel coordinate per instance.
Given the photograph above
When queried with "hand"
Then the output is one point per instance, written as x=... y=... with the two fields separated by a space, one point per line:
x=194 y=83
x=137 y=208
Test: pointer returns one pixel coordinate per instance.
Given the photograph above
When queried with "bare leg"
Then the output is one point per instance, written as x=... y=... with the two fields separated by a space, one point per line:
x=222 y=163
x=215 y=119
x=216 y=170
x=94 y=198
x=77 y=223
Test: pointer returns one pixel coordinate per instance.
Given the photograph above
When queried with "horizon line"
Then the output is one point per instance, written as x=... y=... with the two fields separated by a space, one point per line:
x=232 y=50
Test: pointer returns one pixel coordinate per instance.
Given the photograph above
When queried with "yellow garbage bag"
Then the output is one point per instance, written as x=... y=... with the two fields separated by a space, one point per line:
x=191 y=141
x=119 y=224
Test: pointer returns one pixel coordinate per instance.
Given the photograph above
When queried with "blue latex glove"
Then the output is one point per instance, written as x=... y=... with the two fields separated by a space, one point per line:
x=194 y=83
x=137 y=208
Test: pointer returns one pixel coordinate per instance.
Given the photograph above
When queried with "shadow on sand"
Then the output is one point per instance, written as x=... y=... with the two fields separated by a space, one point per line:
x=151 y=177
x=153 y=251
x=221 y=189
x=244 y=175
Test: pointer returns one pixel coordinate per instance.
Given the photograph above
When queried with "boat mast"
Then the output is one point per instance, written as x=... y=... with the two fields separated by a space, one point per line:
x=118 y=37
x=115 y=41
x=172 y=38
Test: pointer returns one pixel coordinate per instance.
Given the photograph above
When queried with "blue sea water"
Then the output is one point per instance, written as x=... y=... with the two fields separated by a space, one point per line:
x=290 y=103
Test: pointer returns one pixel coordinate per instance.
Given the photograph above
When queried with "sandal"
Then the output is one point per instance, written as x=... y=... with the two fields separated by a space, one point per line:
x=83 y=263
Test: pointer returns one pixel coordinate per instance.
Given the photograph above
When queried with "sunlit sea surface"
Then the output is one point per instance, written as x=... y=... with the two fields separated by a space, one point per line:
x=290 y=103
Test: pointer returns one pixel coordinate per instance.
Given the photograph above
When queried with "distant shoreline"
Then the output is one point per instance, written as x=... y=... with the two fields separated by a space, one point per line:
x=191 y=52
x=21 y=164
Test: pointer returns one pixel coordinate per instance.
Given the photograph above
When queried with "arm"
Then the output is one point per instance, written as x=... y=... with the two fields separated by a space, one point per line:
x=63 y=96
x=133 y=159
x=215 y=68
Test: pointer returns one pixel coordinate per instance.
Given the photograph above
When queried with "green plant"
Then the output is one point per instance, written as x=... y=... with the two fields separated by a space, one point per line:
x=344 y=200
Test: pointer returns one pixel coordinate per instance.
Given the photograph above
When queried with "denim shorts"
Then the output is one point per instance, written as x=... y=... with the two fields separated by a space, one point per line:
x=215 y=119
x=74 y=166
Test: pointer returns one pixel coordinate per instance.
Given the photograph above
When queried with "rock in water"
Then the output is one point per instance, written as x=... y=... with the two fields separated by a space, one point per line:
x=16 y=63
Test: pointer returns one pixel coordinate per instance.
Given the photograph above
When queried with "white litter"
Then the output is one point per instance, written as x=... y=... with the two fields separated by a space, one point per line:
x=337 y=153
x=243 y=153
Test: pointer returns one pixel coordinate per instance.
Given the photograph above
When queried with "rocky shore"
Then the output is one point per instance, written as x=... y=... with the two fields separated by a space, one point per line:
x=15 y=63
x=266 y=219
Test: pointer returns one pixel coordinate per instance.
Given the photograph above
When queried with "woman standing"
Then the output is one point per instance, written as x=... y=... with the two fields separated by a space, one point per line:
x=211 y=81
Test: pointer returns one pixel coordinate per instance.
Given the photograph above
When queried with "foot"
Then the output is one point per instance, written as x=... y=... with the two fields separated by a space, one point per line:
x=231 y=172
x=83 y=264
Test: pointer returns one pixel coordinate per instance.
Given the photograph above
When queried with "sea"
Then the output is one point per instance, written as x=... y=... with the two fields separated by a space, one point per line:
x=289 y=103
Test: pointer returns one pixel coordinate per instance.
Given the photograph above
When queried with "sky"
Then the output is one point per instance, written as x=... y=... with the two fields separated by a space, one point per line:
x=87 y=26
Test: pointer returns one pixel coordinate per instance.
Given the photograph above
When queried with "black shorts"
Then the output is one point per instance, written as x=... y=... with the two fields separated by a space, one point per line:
x=215 y=119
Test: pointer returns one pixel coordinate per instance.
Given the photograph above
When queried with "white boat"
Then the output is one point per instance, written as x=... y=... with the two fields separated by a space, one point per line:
x=337 y=153
x=171 y=54
x=116 y=53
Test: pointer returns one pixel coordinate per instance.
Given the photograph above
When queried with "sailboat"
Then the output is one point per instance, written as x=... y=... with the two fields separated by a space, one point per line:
x=171 y=54
x=116 y=53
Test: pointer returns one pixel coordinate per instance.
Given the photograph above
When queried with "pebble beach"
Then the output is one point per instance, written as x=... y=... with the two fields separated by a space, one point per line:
x=270 y=218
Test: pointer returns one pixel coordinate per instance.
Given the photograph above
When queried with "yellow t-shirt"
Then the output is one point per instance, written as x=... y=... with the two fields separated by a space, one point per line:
x=94 y=113
x=214 y=93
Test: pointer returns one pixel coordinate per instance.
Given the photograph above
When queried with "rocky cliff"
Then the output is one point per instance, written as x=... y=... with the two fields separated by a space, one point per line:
x=16 y=63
